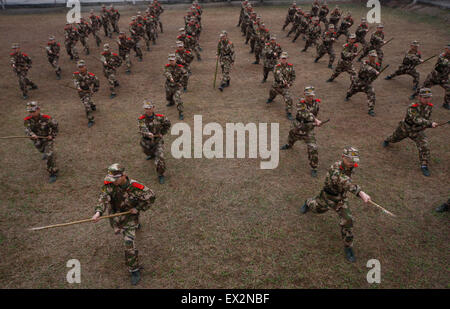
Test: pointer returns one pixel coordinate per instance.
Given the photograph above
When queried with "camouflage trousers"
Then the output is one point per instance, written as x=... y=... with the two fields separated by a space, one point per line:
x=71 y=49
x=258 y=50
x=344 y=66
x=126 y=58
x=24 y=81
x=110 y=75
x=84 y=42
x=98 y=40
x=295 y=27
x=284 y=92
x=173 y=96
x=54 y=63
x=404 y=69
x=361 y=40
x=309 y=42
x=403 y=131
x=368 y=48
x=325 y=21
x=323 y=49
x=137 y=47
x=340 y=32
x=300 y=30
x=185 y=79
x=323 y=202
x=155 y=150
x=107 y=28
x=46 y=147
x=362 y=86
x=128 y=225
x=435 y=79
x=268 y=67
x=296 y=134
x=289 y=19
x=86 y=100
x=151 y=34
x=226 y=65
x=115 y=25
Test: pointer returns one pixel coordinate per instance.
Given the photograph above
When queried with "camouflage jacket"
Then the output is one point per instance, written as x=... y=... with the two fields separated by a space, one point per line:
x=176 y=72
x=115 y=15
x=291 y=11
x=53 y=50
x=125 y=44
x=20 y=62
x=225 y=50
x=184 y=56
x=150 y=23
x=335 y=16
x=158 y=124
x=442 y=66
x=323 y=12
x=346 y=23
x=119 y=199
x=377 y=39
x=328 y=38
x=361 y=31
x=112 y=60
x=349 y=51
x=314 y=31
x=43 y=125
x=306 y=114
x=338 y=182
x=263 y=36
x=71 y=34
x=315 y=9
x=298 y=18
x=83 y=29
x=368 y=71
x=85 y=81
x=106 y=16
x=96 y=22
x=412 y=59
x=188 y=41
x=192 y=29
x=271 y=54
x=418 y=116
x=284 y=75
x=137 y=29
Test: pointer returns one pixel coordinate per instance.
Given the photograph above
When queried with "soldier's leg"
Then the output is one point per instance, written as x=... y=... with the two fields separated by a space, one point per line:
x=446 y=86
x=286 y=22
x=131 y=253
x=320 y=52
x=23 y=85
x=399 y=134
x=169 y=95
x=307 y=44
x=147 y=148
x=112 y=83
x=338 y=70
x=354 y=88
x=423 y=147
x=128 y=61
x=288 y=101
x=265 y=73
x=51 y=157
x=364 y=53
x=226 y=72
x=178 y=102
x=297 y=34
x=416 y=77
x=293 y=137
x=380 y=55
x=86 y=101
x=159 y=159
x=272 y=94
x=74 y=51
x=318 y=204
x=346 y=222
x=313 y=152
x=370 y=99
x=332 y=56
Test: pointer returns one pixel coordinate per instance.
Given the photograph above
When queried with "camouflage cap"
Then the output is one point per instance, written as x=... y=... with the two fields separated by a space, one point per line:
x=106 y=47
x=172 y=57
x=273 y=37
x=331 y=26
x=133 y=17
x=309 y=88
x=91 y=11
x=148 y=104
x=352 y=36
x=425 y=92
x=51 y=38
x=221 y=35
x=373 y=53
x=363 y=19
x=15 y=45
x=115 y=171
x=415 y=43
x=224 y=32
x=284 y=55
x=32 y=106
x=81 y=63
x=309 y=91
x=380 y=26
x=315 y=18
x=121 y=32
x=180 y=44
x=181 y=29
x=351 y=153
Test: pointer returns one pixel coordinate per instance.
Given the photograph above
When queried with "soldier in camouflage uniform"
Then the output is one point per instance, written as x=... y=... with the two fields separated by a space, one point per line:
x=412 y=58
x=175 y=74
x=250 y=27
x=70 y=40
x=303 y=127
x=125 y=46
x=184 y=57
x=345 y=25
x=96 y=24
x=345 y=64
x=368 y=72
x=120 y=194
x=284 y=77
x=326 y=47
x=444 y=207
x=338 y=183
x=361 y=32
x=152 y=127
x=335 y=16
x=313 y=33
x=413 y=126
x=21 y=63
x=376 y=42
x=106 y=21
x=323 y=12
x=150 y=27
x=290 y=15
x=315 y=8
x=39 y=125
x=296 y=22
x=439 y=76
x=53 y=50
x=226 y=55
x=241 y=14
x=246 y=18
x=305 y=23
x=271 y=53
x=189 y=43
x=83 y=81
x=263 y=36
x=137 y=31
x=83 y=33
x=111 y=62
x=115 y=16
x=158 y=10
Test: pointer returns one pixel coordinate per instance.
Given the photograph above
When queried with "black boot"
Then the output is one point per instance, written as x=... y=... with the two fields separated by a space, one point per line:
x=181 y=116
x=315 y=60
x=52 y=178
x=289 y=116
x=269 y=101
x=349 y=255
x=347 y=97
x=171 y=103
x=304 y=209
x=228 y=83
x=329 y=80
x=135 y=277
x=442 y=208
x=314 y=172
x=371 y=112
x=425 y=170
x=90 y=123
x=285 y=146
x=149 y=157
x=330 y=66
x=385 y=144
x=389 y=77
x=446 y=106
x=161 y=179
x=222 y=85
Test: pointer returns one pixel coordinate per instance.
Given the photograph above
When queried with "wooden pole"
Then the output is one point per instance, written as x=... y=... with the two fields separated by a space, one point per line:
x=383 y=209
x=78 y=222
x=8 y=137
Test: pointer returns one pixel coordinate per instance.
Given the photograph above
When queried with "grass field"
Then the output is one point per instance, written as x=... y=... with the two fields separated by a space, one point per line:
x=221 y=223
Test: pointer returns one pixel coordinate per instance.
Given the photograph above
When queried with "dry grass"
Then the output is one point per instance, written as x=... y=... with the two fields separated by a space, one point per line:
x=220 y=223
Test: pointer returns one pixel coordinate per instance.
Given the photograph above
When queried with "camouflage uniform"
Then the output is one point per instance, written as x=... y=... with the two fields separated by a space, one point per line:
x=346 y=23
x=111 y=61
x=43 y=125
x=71 y=37
x=21 y=63
x=153 y=147
x=328 y=39
x=345 y=64
x=84 y=82
x=117 y=199
x=315 y=8
x=413 y=126
x=125 y=46
x=376 y=42
x=290 y=16
x=241 y=14
x=83 y=33
x=106 y=21
x=334 y=195
x=363 y=83
x=52 y=50
x=335 y=16
x=303 y=129
x=225 y=51
x=271 y=53
x=323 y=12
x=173 y=89
x=137 y=33
x=361 y=32
x=96 y=24
x=296 y=22
x=312 y=35
x=115 y=16
x=189 y=42
x=151 y=27
x=305 y=23
x=284 y=77
x=184 y=57
x=408 y=66
x=262 y=37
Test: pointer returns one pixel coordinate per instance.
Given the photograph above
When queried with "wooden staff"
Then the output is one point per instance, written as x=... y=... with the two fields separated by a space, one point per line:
x=441 y=124
x=383 y=209
x=8 y=137
x=80 y=221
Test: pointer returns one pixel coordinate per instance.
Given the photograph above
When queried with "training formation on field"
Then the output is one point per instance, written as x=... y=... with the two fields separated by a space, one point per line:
x=225 y=145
